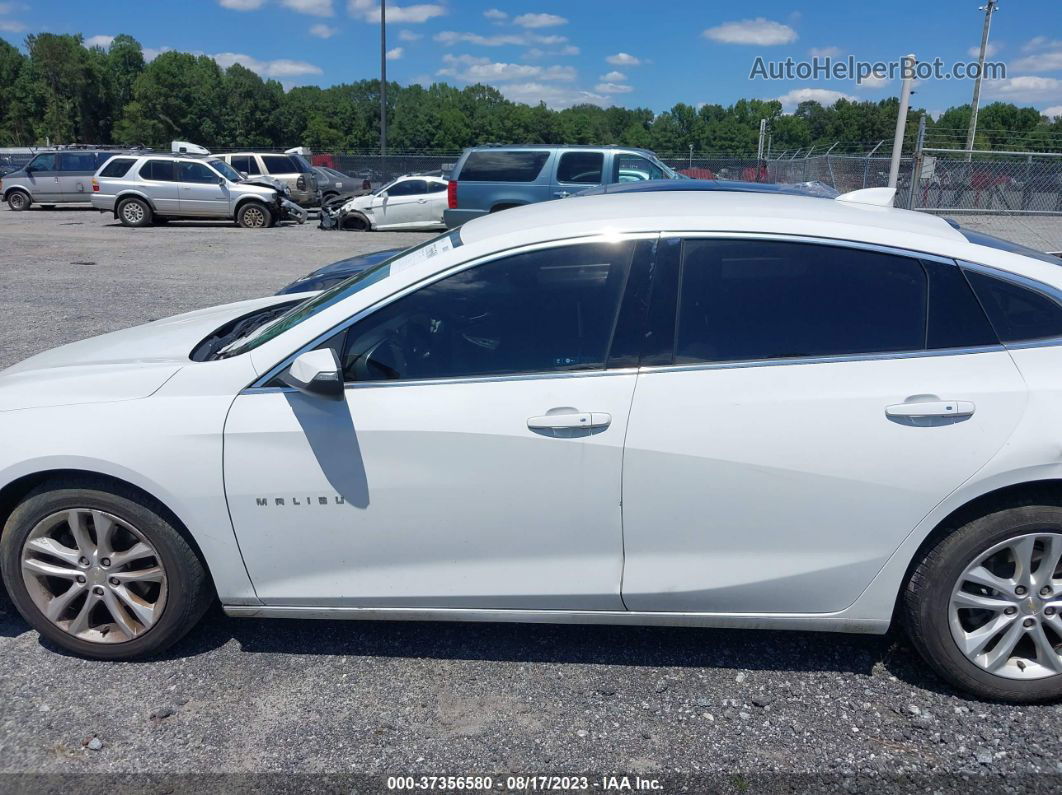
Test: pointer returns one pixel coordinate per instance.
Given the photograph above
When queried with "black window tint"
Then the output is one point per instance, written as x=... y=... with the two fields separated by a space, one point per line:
x=744 y=300
x=537 y=312
x=279 y=164
x=408 y=187
x=157 y=170
x=195 y=172
x=1016 y=312
x=78 y=161
x=44 y=163
x=436 y=187
x=240 y=163
x=489 y=166
x=581 y=167
x=118 y=167
x=956 y=319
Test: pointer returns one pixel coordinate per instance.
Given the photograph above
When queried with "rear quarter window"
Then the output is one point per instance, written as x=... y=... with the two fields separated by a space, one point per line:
x=279 y=164
x=118 y=167
x=489 y=166
x=1018 y=314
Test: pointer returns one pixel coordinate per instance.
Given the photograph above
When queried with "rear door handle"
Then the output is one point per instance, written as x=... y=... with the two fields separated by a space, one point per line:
x=585 y=419
x=931 y=408
x=562 y=194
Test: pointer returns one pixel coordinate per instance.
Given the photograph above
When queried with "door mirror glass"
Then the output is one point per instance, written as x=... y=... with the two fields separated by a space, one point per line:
x=315 y=373
x=221 y=180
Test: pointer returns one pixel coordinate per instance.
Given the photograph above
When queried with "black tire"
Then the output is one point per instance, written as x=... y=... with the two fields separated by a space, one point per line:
x=254 y=215
x=928 y=593
x=356 y=223
x=326 y=198
x=18 y=200
x=134 y=212
x=189 y=588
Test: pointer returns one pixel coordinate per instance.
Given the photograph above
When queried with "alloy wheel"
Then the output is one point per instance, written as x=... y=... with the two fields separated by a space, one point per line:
x=133 y=212
x=17 y=201
x=94 y=575
x=253 y=218
x=1004 y=609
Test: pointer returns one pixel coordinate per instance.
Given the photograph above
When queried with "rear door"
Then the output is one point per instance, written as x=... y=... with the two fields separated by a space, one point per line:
x=75 y=176
x=576 y=170
x=817 y=402
x=159 y=179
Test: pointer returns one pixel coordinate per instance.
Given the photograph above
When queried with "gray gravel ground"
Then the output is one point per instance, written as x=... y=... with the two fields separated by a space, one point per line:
x=241 y=695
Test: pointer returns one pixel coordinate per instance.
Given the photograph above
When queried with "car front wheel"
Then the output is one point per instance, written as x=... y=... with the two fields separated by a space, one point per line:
x=18 y=201
x=983 y=606
x=101 y=572
x=253 y=215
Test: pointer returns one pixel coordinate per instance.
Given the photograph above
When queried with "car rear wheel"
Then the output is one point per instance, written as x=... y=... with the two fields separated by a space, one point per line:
x=983 y=606
x=18 y=200
x=101 y=573
x=134 y=212
x=253 y=215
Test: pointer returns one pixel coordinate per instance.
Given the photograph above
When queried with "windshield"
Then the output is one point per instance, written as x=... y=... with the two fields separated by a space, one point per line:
x=359 y=281
x=227 y=171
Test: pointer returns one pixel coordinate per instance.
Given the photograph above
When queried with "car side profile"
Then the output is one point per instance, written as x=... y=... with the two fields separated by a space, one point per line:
x=291 y=169
x=153 y=188
x=703 y=408
x=410 y=202
x=52 y=178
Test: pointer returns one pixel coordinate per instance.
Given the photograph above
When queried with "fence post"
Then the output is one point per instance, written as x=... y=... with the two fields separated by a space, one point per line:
x=866 y=162
x=916 y=163
x=812 y=149
x=829 y=165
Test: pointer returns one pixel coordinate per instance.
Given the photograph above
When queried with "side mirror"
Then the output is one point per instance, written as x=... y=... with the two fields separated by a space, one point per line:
x=222 y=180
x=317 y=373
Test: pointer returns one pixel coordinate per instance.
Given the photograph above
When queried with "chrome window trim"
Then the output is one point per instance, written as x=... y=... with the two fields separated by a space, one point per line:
x=259 y=383
x=1042 y=288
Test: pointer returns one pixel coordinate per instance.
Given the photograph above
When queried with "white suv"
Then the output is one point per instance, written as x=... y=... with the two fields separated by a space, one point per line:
x=683 y=408
x=153 y=188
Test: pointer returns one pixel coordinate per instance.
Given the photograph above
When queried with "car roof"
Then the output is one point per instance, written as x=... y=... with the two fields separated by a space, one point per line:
x=713 y=211
x=595 y=147
x=643 y=186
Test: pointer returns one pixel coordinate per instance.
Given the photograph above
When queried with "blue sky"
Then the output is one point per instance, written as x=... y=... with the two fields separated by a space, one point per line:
x=626 y=52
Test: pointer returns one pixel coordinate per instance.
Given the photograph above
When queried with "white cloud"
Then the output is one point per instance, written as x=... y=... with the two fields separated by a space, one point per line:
x=282 y=67
x=824 y=52
x=472 y=69
x=539 y=20
x=322 y=31
x=823 y=96
x=553 y=95
x=451 y=37
x=408 y=35
x=151 y=53
x=613 y=88
x=1025 y=89
x=11 y=26
x=990 y=50
x=623 y=59
x=369 y=11
x=1053 y=113
x=242 y=5
x=758 y=31
x=99 y=41
x=874 y=81
x=495 y=15
x=395 y=54
x=1041 y=42
x=318 y=8
x=1049 y=61
x=613 y=77
x=567 y=49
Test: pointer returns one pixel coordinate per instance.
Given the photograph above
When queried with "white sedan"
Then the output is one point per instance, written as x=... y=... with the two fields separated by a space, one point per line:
x=683 y=408
x=413 y=202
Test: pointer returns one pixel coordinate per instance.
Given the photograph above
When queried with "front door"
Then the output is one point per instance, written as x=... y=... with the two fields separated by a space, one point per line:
x=819 y=403
x=577 y=170
x=43 y=178
x=202 y=191
x=475 y=462
x=402 y=204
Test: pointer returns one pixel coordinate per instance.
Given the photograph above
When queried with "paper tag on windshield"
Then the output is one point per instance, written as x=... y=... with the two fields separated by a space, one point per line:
x=435 y=248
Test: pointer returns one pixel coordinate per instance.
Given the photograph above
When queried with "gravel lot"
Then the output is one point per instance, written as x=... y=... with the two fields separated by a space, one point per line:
x=241 y=695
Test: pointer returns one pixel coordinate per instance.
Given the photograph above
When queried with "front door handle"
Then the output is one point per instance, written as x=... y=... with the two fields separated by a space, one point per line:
x=562 y=194
x=931 y=408
x=584 y=419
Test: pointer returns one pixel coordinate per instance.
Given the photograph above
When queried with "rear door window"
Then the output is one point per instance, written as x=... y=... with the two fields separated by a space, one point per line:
x=78 y=161
x=158 y=170
x=279 y=164
x=118 y=167
x=491 y=166
x=245 y=163
x=582 y=168
x=436 y=187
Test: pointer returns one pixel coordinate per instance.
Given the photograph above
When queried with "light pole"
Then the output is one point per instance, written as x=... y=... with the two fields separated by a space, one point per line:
x=383 y=79
x=901 y=118
x=989 y=9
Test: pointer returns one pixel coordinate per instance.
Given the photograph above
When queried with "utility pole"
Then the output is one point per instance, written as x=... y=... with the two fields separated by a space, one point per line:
x=901 y=118
x=759 y=148
x=383 y=78
x=989 y=9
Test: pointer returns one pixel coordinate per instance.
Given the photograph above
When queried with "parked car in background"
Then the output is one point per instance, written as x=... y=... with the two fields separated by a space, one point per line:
x=334 y=184
x=331 y=275
x=487 y=179
x=149 y=188
x=51 y=178
x=291 y=169
x=410 y=202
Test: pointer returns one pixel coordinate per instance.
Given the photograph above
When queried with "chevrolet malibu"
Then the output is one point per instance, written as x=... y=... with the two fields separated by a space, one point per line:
x=675 y=408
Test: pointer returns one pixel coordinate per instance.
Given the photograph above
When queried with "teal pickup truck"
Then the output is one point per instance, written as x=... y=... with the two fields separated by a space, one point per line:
x=490 y=178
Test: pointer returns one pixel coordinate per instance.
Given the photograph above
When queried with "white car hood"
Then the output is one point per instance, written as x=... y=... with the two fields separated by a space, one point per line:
x=123 y=365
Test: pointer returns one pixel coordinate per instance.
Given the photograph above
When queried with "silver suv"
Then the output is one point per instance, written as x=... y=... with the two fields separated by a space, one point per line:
x=150 y=188
x=50 y=178
x=291 y=169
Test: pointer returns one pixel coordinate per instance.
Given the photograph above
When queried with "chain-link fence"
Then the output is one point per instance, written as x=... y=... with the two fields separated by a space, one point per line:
x=944 y=180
